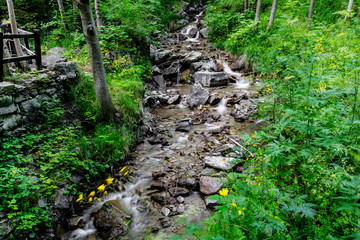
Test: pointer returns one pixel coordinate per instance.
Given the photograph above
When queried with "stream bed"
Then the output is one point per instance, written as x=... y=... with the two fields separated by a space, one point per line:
x=196 y=107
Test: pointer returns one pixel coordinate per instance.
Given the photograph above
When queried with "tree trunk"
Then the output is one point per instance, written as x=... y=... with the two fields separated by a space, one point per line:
x=245 y=4
x=14 y=29
x=249 y=4
x=75 y=15
x=351 y=3
x=272 y=14
x=63 y=15
x=98 y=14
x=257 y=15
x=310 y=13
x=107 y=108
x=6 y=54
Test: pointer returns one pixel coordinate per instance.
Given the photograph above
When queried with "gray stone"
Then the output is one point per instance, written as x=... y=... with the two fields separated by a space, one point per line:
x=69 y=69
x=12 y=122
x=213 y=100
x=209 y=185
x=62 y=201
x=180 y=199
x=219 y=162
x=165 y=211
x=180 y=208
x=52 y=58
x=30 y=105
x=211 y=204
x=211 y=79
x=161 y=55
x=174 y=100
x=156 y=70
x=240 y=64
x=6 y=86
x=204 y=32
x=260 y=123
x=159 y=79
x=178 y=191
x=55 y=50
x=21 y=98
x=5 y=101
x=8 y=110
x=193 y=57
x=184 y=127
x=197 y=95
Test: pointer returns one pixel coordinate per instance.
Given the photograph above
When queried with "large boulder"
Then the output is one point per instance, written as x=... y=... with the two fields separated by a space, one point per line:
x=193 y=57
x=197 y=95
x=211 y=79
x=110 y=221
x=69 y=69
x=62 y=200
x=219 y=162
x=240 y=64
x=204 y=32
x=159 y=55
x=53 y=56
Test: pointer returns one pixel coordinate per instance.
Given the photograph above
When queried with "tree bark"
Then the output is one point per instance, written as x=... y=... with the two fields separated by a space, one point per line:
x=350 y=6
x=310 y=13
x=245 y=4
x=75 y=15
x=63 y=15
x=106 y=105
x=272 y=14
x=14 y=29
x=257 y=15
x=98 y=14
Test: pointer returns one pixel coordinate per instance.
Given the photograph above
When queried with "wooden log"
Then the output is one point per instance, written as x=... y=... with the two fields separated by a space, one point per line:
x=15 y=35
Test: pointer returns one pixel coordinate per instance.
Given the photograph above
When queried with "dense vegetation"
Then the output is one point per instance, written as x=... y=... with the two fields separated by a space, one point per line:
x=303 y=181
x=41 y=160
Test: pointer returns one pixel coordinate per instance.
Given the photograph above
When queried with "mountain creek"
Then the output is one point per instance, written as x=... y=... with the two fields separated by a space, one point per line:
x=195 y=109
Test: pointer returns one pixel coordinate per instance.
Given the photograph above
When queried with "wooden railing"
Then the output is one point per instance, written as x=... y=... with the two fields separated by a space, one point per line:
x=34 y=55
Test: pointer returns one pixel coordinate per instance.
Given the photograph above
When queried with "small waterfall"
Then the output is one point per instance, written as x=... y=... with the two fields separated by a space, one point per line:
x=195 y=39
x=221 y=108
x=178 y=73
x=240 y=81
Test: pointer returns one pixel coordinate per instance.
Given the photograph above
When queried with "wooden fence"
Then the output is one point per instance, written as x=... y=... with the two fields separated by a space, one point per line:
x=34 y=55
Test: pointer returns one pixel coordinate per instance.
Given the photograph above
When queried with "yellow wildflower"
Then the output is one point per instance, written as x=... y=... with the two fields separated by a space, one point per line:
x=122 y=169
x=109 y=180
x=92 y=194
x=99 y=199
x=234 y=204
x=244 y=209
x=253 y=135
x=81 y=196
x=239 y=212
x=126 y=173
x=90 y=199
x=224 y=192
x=14 y=170
x=333 y=175
x=105 y=192
x=101 y=188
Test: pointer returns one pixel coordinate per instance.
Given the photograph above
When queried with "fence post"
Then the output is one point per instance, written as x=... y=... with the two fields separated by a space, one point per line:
x=1 y=56
x=37 y=49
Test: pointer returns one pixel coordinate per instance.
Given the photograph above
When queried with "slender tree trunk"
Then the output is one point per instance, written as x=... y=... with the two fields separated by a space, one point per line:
x=14 y=29
x=310 y=13
x=350 y=6
x=245 y=4
x=75 y=15
x=257 y=15
x=249 y=4
x=6 y=54
x=272 y=14
x=98 y=14
x=63 y=15
x=107 y=108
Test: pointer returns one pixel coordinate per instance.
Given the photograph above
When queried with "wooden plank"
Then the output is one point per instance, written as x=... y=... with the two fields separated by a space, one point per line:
x=21 y=31
x=11 y=36
x=37 y=49
x=18 y=59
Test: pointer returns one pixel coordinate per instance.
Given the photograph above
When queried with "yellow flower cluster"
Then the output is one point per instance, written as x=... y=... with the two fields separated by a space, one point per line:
x=319 y=47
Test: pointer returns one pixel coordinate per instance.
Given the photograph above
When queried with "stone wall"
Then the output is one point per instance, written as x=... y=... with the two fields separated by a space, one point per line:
x=20 y=99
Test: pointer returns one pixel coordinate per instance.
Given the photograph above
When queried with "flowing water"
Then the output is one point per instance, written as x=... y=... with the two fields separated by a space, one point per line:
x=176 y=153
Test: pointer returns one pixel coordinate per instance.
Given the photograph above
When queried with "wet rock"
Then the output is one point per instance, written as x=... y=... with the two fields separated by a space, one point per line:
x=180 y=208
x=110 y=221
x=260 y=123
x=62 y=200
x=93 y=237
x=213 y=100
x=76 y=222
x=156 y=70
x=160 y=55
x=158 y=174
x=180 y=199
x=242 y=95
x=165 y=211
x=211 y=79
x=183 y=127
x=240 y=117
x=159 y=80
x=174 y=100
x=157 y=185
x=155 y=140
x=211 y=204
x=188 y=182
x=197 y=96
x=219 y=162
x=216 y=116
x=209 y=185
x=178 y=191
x=193 y=57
